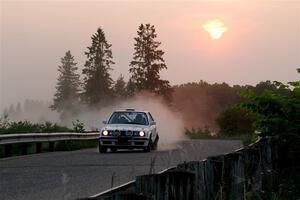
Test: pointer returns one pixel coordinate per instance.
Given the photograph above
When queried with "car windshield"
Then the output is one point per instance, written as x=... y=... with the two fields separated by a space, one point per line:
x=128 y=118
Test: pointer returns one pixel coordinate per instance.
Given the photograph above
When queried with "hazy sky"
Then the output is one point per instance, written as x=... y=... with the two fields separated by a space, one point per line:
x=262 y=41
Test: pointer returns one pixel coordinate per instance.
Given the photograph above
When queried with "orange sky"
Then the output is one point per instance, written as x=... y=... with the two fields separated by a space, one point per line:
x=262 y=41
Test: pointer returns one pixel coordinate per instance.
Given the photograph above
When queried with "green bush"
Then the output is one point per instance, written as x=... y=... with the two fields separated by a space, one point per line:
x=277 y=114
x=29 y=127
x=235 y=121
x=78 y=126
x=198 y=133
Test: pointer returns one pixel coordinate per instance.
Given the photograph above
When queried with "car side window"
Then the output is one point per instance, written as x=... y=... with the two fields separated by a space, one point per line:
x=151 y=118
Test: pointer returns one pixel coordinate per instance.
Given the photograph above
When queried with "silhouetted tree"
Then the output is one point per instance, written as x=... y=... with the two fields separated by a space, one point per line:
x=130 y=88
x=120 y=87
x=18 y=108
x=148 y=62
x=11 y=110
x=97 y=80
x=67 y=86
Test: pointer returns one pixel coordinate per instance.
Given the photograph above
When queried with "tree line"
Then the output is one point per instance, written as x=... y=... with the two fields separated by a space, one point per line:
x=98 y=88
x=213 y=106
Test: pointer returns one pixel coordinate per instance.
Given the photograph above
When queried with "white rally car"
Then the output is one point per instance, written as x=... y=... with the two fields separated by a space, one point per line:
x=129 y=129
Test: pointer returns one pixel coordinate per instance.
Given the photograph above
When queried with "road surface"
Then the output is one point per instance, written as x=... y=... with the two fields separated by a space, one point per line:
x=71 y=175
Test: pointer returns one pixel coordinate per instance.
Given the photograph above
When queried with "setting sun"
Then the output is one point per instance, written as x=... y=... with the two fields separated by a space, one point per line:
x=215 y=28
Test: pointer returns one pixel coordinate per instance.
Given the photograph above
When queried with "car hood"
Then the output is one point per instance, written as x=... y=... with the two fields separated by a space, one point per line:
x=132 y=127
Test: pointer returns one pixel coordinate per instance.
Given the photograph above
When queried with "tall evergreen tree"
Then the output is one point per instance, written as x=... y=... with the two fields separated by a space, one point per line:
x=11 y=110
x=148 y=62
x=97 y=80
x=19 y=108
x=120 y=87
x=67 y=86
x=130 y=88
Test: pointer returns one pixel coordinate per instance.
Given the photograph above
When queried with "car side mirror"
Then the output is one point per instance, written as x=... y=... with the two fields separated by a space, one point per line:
x=153 y=123
x=104 y=122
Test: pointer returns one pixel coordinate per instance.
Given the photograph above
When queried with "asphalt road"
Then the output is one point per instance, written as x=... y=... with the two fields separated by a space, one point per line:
x=71 y=175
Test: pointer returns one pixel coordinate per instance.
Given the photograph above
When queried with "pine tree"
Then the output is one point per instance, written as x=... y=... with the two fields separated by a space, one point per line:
x=18 y=109
x=148 y=62
x=130 y=88
x=11 y=111
x=67 y=86
x=120 y=87
x=97 y=80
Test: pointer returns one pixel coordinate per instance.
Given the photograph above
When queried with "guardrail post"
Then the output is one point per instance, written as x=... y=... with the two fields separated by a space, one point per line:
x=24 y=148
x=51 y=146
x=7 y=150
x=38 y=147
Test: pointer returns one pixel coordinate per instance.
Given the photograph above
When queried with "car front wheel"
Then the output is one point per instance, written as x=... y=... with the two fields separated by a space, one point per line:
x=148 y=148
x=155 y=144
x=102 y=149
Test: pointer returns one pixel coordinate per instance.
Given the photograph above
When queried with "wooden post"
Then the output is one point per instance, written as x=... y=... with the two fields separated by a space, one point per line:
x=7 y=150
x=24 y=148
x=38 y=147
x=51 y=146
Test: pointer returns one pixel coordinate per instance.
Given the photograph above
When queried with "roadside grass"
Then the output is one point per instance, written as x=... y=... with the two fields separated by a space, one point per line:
x=206 y=134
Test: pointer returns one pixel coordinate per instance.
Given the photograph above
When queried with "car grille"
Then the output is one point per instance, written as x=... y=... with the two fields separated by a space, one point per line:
x=123 y=133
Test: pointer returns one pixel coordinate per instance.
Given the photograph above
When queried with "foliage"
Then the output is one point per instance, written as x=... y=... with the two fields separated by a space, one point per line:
x=67 y=87
x=97 y=80
x=78 y=126
x=279 y=117
x=235 y=121
x=200 y=103
x=283 y=186
x=249 y=138
x=130 y=88
x=148 y=62
x=205 y=133
x=120 y=89
x=277 y=113
x=29 y=127
x=4 y=122
x=198 y=133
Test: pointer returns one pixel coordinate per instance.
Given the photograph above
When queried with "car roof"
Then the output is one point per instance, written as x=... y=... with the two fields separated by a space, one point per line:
x=131 y=110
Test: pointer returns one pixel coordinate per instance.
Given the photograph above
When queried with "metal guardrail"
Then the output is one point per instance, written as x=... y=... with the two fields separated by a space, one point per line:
x=45 y=137
x=24 y=139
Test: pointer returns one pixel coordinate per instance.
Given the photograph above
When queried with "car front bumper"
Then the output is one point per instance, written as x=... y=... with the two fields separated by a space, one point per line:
x=124 y=142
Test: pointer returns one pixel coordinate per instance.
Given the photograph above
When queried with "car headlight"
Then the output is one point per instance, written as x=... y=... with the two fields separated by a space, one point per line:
x=105 y=133
x=142 y=133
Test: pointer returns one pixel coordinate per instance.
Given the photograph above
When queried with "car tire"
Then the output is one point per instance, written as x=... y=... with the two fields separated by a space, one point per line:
x=102 y=149
x=148 y=148
x=155 y=144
